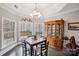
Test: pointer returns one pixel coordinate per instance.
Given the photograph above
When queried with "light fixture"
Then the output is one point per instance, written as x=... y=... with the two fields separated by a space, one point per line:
x=35 y=13
x=26 y=19
x=16 y=6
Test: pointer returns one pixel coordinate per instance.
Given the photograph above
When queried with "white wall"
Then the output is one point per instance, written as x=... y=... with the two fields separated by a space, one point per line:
x=70 y=17
x=5 y=13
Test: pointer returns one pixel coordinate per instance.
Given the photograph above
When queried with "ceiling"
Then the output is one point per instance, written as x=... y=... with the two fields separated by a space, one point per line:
x=24 y=9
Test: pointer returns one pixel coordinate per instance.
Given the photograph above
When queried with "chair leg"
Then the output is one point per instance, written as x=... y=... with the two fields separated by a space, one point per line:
x=35 y=53
x=46 y=53
x=41 y=54
x=23 y=52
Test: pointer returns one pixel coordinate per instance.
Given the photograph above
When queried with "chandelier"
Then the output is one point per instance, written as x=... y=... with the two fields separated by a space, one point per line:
x=35 y=13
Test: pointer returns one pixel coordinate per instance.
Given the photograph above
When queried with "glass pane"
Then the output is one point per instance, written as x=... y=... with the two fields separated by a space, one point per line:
x=62 y=30
x=8 y=31
x=22 y=29
x=53 y=30
x=58 y=31
x=6 y=26
x=48 y=30
x=12 y=26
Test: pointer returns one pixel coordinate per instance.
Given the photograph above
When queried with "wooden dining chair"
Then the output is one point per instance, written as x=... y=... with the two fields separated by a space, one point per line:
x=23 y=48
x=26 y=48
x=43 y=50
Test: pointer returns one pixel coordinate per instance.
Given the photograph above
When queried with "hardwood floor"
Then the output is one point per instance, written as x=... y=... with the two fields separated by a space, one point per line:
x=17 y=51
x=53 y=52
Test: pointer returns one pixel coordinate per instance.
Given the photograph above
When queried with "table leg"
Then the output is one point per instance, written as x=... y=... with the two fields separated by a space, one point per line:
x=31 y=50
x=25 y=49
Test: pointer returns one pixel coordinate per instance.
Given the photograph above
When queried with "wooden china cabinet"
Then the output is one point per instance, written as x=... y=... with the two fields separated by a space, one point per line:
x=54 y=31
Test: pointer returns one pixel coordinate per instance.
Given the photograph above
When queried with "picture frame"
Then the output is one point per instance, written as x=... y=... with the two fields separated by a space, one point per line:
x=73 y=26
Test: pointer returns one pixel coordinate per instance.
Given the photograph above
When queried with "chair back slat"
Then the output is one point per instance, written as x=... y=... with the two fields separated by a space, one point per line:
x=44 y=47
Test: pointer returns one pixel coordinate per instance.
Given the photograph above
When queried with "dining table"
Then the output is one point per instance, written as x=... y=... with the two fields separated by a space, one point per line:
x=34 y=42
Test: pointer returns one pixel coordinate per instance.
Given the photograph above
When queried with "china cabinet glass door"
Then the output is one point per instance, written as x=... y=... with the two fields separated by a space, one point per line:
x=53 y=31
x=48 y=30
x=58 y=31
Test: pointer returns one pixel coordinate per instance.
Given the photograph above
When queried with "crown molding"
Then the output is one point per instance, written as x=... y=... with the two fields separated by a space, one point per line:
x=66 y=12
x=11 y=11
